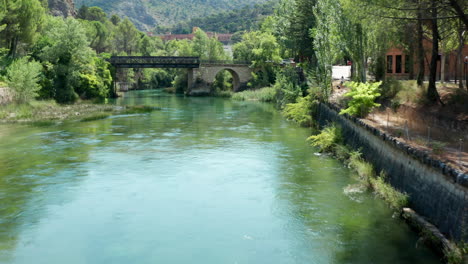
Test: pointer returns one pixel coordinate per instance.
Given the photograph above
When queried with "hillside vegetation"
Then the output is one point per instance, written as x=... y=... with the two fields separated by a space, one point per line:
x=245 y=18
x=147 y=14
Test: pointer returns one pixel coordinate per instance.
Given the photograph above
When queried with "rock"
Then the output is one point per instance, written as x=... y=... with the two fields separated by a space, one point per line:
x=64 y=8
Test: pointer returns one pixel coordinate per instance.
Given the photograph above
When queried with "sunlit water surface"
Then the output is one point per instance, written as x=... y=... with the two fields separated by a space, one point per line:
x=203 y=180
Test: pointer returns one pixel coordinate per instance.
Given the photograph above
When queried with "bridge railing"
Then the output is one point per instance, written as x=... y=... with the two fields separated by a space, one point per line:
x=155 y=61
x=237 y=62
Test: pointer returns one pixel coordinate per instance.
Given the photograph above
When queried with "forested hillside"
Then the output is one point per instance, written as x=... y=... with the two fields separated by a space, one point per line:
x=245 y=18
x=147 y=14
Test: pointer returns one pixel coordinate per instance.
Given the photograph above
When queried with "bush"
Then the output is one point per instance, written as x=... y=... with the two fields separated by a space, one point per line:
x=287 y=86
x=23 y=78
x=363 y=97
x=327 y=140
x=301 y=112
x=267 y=94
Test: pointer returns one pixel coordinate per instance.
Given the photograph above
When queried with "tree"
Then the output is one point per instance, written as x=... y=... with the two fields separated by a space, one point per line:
x=126 y=37
x=98 y=34
x=301 y=23
x=327 y=41
x=21 y=21
x=115 y=19
x=262 y=50
x=69 y=53
x=23 y=78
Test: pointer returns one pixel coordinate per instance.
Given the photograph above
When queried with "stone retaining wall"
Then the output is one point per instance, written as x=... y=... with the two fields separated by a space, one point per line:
x=437 y=191
x=5 y=95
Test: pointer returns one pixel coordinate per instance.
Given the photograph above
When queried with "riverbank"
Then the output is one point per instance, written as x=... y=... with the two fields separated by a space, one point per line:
x=435 y=191
x=45 y=112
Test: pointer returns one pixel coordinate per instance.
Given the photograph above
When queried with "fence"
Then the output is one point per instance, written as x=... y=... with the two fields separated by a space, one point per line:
x=438 y=135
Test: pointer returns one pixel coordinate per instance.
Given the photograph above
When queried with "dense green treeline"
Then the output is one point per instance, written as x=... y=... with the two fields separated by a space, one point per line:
x=48 y=57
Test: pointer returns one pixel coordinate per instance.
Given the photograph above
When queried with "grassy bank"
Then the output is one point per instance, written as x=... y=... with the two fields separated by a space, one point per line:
x=49 y=112
x=267 y=94
x=330 y=140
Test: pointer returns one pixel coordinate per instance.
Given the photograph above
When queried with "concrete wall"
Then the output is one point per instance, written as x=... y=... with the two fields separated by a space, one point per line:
x=437 y=191
x=5 y=95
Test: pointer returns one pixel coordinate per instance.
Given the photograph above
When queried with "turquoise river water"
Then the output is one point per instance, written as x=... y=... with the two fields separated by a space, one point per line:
x=204 y=180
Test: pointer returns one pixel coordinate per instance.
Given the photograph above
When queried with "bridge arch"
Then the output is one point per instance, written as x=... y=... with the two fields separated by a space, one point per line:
x=235 y=78
x=201 y=79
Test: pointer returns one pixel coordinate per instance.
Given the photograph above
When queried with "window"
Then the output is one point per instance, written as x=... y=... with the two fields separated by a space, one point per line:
x=389 y=64
x=407 y=64
x=398 y=64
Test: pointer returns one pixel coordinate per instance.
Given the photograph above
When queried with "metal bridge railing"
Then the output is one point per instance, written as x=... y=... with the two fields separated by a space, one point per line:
x=237 y=62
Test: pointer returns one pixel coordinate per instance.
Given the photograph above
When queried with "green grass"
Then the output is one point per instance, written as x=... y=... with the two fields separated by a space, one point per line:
x=364 y=169
x=225 y=94
x=394 y=198
x=139 y=109
x=267 y=94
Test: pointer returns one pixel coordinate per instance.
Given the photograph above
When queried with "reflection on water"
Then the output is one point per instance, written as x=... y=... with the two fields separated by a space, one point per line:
x=204 y=180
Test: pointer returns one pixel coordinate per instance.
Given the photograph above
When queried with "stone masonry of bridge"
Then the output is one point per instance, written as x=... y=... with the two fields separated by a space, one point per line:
x=200 y=80
x=201 y=75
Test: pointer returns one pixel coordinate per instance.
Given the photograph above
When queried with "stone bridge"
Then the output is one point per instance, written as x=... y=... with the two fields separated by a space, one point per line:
x=201 y=74
x=200 y=80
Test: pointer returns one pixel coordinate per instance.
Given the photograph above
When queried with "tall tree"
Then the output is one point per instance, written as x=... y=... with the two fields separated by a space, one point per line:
x=21 y=20
x=126 y=37
x=69 y=53
x=301 y=23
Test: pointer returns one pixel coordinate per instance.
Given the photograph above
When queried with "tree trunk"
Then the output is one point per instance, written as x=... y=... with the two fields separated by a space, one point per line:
x=420 y=52
x=460 y=62
x=442 y=67
x=432 y=93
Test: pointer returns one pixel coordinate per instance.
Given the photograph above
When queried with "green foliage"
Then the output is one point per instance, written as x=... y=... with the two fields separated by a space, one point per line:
x=23 y=78
x=147 y=14
x=287 y=86
x=363 y=97
x=94 y=117
x=244 y=19
x=140 y=109
x=126 y=37
x=260 y=48
x=93 y=13
x=326 y=36
x=180 y=83
x=267 y=94
x=20 y=23
x=301 y=112
x=363 y=168
x=394 y=198
x=390 y=88
x=328 y=138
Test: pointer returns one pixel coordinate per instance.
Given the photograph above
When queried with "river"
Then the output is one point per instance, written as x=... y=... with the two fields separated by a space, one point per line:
x=203 y=180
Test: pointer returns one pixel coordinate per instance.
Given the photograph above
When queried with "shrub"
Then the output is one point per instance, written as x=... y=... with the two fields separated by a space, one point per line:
x=287 y=86
x=23 y=77
x=363 y=97
x=327 y=139
x=301 y=112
